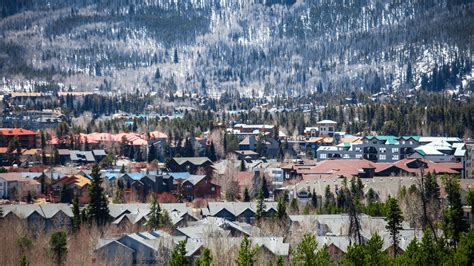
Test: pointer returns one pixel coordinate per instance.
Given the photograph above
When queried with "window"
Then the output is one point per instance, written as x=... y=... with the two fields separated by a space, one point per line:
x=323 y=156
x=358 y=156
x=383 y=157
x=213 y=189
x=394 y=150
x=357 y=149
x=395 y=158
x=382 y=150
x=346 y=156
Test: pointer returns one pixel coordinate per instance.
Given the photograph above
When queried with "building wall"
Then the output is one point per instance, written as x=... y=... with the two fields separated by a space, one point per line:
x=469 y=162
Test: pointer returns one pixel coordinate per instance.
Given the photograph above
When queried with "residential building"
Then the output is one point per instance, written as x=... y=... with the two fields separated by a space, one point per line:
x=191 y=165
x=244 y=130
x=469 y=160
x=327 y=127
x=238 y=211
x=26 y=138
x=391 y=149
x=40 y=217
x=198 y=186
x=16 y=186
x=74 y=185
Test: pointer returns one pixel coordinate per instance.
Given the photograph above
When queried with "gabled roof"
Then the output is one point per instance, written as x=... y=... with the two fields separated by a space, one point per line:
x=179 y=175
x=237 y=208
x=47 y=211
x=273 y=244
x=194 y=179
x=193 y=160
x=136 y=176
x=76 y=180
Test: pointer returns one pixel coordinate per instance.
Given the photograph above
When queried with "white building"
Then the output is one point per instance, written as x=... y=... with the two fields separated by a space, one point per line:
x=327 y=127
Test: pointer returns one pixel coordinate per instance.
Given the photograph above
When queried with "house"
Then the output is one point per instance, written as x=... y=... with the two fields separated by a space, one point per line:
x=99 y=155
x=414 y=167
x=311 y=132
x=73 y=185
x=136 y=213
x=238 y=211
x=31 y=156
x=191 y=165
x=244 y=130
x=143 y=248
x=16 y=187
x=26 y=138
x=247 y=155
x=249 y=143
x=64 y=156
x=157 y=183
x=40 y=216
x=82 y=157
x=199 y=186
x=327 y=127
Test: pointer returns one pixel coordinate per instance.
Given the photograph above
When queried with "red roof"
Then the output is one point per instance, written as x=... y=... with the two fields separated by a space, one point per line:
x=334 y=168
x=131 y=138
x=409 y=165
x=17 y=132
x=158 y=135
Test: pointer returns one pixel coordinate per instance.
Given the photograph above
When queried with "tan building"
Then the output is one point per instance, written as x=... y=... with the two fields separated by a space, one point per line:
x=469 y=160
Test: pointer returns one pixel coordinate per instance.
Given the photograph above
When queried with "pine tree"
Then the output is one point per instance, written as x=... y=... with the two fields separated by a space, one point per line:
x=281 y=209
x=24 y=261
x=58 y=247
x=122 y=169
x=157 y=75
x=470 y=200
x=266 y=193
x=76 y=220
x=260 y=206
x=175 y=56
x=29 y=197
x=394 y=221
x=246 y=253
x=246 y=195
x=98 y=210
x=242 y=166
x=375 y=254
x=154 y=216
x=314 y=199
x=64 y=196
x=280 y=261
x=294 y=205
x=119 y=196
x=212 y=152
x=205 y=259
x=305 y=252
x=456 y=222
x=178 y=256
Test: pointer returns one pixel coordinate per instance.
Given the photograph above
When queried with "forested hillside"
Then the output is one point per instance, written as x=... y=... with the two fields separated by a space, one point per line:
x=277 y=47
